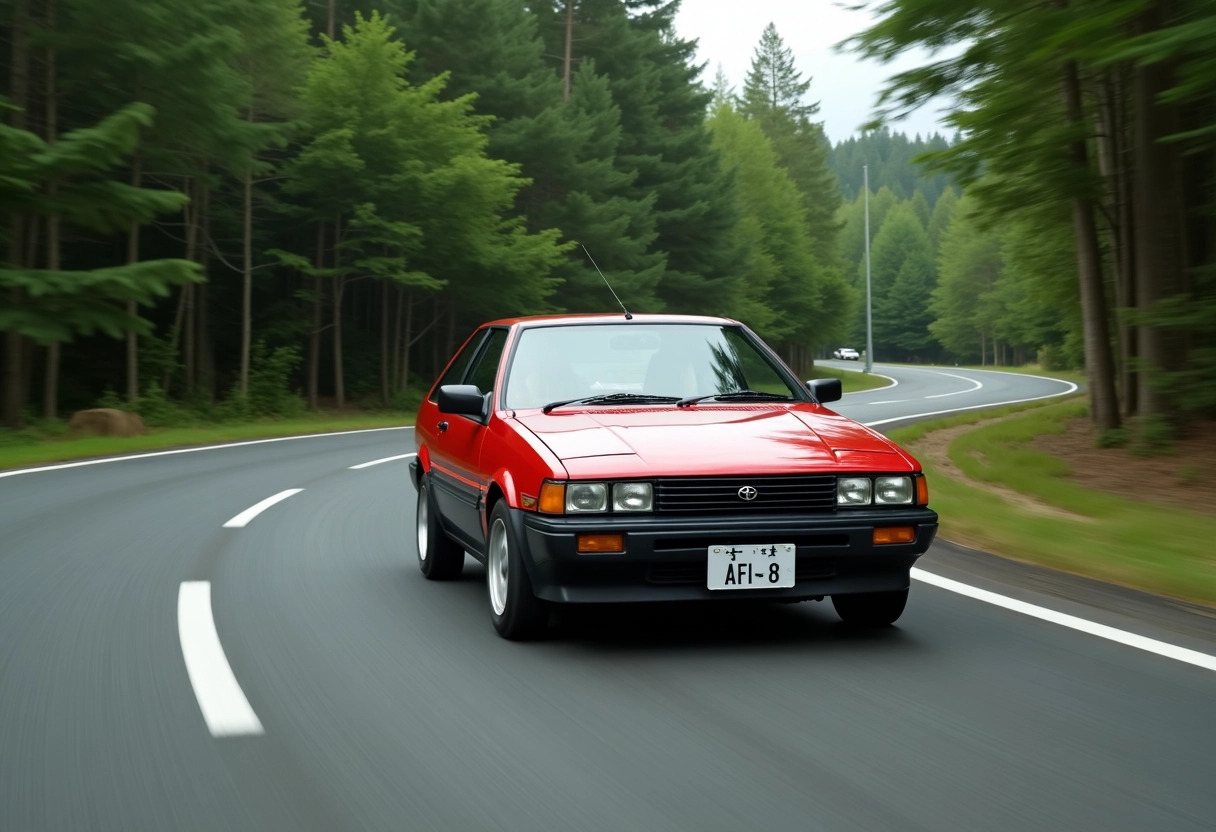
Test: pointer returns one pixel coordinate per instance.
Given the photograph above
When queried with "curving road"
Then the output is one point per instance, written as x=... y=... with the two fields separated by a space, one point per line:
x=238 y=638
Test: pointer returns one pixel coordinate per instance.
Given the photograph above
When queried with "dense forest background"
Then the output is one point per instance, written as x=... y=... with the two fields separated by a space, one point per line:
x=237 y=208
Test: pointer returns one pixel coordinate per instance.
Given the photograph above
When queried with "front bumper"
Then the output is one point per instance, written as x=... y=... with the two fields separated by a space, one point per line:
x=665 y=558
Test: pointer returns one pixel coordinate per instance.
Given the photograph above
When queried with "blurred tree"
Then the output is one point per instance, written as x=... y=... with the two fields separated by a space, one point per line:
x=902 y=280
x=774 y=96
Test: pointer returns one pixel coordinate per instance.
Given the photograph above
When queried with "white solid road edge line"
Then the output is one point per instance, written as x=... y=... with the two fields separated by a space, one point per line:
x=1151 y=645
x=196 y=449
x=225 y=709
x=378 y=461
x=242 y=519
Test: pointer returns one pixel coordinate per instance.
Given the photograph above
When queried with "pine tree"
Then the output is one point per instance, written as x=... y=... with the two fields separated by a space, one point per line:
x=774 y=96
x=902 y=278
x=785 y=292
x=664 y=142
x=774 y=84
x=54 y=305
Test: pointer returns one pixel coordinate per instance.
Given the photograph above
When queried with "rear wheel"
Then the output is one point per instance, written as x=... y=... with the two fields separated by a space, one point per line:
x=871 y=609
x=516 y=612
x=439 y=557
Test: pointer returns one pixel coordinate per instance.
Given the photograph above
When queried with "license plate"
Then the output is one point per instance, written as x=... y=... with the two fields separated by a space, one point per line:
x=755 y=566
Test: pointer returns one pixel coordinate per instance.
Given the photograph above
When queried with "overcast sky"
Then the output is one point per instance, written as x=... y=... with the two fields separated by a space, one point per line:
x=727 y=32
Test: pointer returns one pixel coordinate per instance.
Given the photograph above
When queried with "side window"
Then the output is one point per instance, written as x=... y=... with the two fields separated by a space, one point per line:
x=456 y=371
x=486 y=368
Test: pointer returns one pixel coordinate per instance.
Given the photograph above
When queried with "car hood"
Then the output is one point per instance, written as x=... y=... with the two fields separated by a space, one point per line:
x=749 y=439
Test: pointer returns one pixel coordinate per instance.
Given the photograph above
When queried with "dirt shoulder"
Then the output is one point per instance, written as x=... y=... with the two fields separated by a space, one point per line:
x=1178 y=480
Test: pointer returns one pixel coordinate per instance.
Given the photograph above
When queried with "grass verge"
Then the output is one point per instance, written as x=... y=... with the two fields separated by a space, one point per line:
x=1075 y=376
x=851 y=380
x=1046 y=519
x=33 y=447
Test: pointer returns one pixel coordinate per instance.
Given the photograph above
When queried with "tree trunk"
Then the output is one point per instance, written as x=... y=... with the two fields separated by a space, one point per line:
x=1118 y=168
x=50 y=391
x=180 y=333
x=338 y=285
x=407 y=341
x=132 y=307
x=569 y=40
x=314 y=337
x=397 y=338
x=339 y=379
x=204 y=370
x=451 y=339
x=247 y=276
x=1159 y=220
x=1104 y=403
x=330 y=19
x=385 y=359
x=15 y=386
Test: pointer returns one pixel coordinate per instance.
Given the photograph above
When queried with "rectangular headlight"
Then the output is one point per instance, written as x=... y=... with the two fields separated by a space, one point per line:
x=586 y=496
x=632 y=496
x=893 y=490
x=853 y=491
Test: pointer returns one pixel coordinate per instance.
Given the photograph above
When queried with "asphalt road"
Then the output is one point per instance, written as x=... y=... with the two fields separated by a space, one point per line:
x=362 y=697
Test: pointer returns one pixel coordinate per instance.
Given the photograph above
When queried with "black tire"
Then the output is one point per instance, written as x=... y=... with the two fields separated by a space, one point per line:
x=515 y=610
x=871 y=609
x=439 y=557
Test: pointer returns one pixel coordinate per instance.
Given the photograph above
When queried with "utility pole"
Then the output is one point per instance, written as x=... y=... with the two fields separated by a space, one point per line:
x=869 y=317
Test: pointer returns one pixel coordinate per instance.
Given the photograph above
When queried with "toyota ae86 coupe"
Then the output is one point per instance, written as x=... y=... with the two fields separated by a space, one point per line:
x=657 y=458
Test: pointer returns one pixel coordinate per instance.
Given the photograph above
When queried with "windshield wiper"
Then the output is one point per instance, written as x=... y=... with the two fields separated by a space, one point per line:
x=739 y=394
x=611 y=398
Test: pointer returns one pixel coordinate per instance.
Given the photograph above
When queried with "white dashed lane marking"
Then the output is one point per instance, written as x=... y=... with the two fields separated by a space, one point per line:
x=379 y=461
x=242 y=520
x=225 y=709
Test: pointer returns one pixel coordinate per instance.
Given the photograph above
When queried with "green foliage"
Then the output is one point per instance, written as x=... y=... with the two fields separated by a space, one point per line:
x=156 y=409
x=783 y=287
x=892 y=158
x=451 y=177
x=270 y=390
x=110 y=399
x=773 y=83
x=774 y=97
x=902 y=280
x=1152 y=435
x=970 y=266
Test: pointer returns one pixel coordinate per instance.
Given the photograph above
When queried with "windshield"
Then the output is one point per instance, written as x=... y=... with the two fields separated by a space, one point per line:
x=560 y=363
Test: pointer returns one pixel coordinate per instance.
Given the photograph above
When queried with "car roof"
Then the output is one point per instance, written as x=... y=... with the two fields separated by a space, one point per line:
x=528 y=321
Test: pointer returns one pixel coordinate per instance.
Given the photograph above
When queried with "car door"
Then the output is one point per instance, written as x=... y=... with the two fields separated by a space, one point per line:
x=455 y=450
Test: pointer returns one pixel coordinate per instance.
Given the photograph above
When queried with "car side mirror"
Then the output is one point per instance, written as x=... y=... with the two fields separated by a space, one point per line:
x=461 y=399
x=826 y=389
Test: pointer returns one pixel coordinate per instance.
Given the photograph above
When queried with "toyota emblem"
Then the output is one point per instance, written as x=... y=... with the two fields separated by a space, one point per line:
x=747 y=493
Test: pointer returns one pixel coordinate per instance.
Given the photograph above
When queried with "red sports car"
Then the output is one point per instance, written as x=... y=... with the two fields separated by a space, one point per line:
x=617 y=458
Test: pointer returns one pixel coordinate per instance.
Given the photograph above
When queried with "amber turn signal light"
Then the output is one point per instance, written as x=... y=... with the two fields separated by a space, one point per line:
x=895 y=534
x=922 y=491
x=553 y=498
x=601 y=543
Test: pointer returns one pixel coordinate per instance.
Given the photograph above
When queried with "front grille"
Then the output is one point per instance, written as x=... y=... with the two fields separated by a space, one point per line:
x=795 y=494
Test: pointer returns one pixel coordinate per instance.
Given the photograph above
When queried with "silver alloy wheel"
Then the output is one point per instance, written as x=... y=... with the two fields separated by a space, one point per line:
x=424 y=512
x=496 y=566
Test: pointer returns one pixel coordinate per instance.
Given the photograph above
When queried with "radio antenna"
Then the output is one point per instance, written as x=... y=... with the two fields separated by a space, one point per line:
x=628 y=317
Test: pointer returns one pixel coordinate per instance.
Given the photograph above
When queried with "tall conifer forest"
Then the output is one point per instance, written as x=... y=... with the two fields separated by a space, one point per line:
x=228 y=209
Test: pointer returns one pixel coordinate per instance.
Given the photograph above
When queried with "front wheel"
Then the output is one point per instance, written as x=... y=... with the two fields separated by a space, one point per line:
x=439 y=557
x=516 y=612
x=871 y=609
